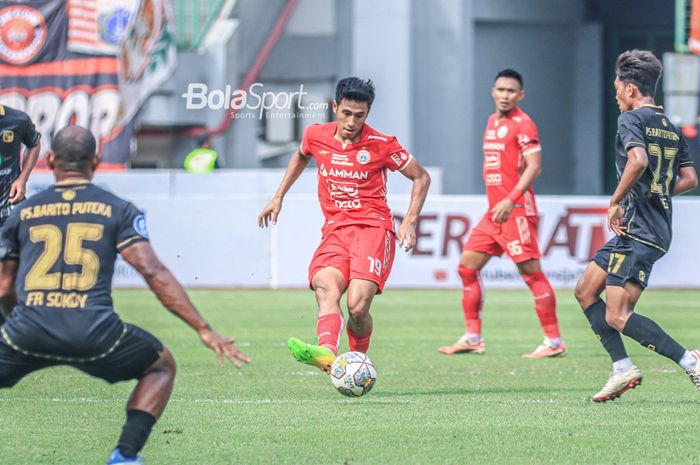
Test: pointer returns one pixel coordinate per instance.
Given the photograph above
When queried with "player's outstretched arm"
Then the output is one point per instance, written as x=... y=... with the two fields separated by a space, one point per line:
x=171 y=294
x=637 y=162
x=687 y=180
x=18 y=189
x=8 y=275
x=296 y=166
x=406 y=234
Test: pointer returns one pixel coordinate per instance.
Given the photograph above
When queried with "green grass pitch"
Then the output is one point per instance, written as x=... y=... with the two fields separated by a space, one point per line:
x=425 y=409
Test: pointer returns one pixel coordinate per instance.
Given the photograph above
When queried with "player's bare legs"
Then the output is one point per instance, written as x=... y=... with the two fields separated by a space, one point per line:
x=360 y=295
x=470 y=264
x=146 y=404
x=329 y=285
x=545 y=307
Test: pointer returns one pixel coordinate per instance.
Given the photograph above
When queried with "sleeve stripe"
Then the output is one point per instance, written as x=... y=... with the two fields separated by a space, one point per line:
x=129 y=241
x=532 y=150
x=634 y=143
x=687 y=163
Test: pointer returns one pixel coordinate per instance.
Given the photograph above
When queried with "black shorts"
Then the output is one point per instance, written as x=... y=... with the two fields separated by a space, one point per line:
x=129 y=358
x=625 y=259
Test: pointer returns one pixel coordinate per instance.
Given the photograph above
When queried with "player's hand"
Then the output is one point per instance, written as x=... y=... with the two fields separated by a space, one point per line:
x=17 y=191
x=223 y=346
x=270 y=213
x=406 y=234
x=501 y=212
x=615 y=225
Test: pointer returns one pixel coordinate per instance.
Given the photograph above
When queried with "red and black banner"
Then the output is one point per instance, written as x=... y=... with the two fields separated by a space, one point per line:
x=57 y=87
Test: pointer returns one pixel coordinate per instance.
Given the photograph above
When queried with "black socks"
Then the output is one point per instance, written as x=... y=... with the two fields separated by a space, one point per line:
x=649 y=334
x=135 y=432
x=609 y=337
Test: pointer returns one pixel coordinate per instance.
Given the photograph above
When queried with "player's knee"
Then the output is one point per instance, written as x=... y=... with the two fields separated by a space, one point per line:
x=326 y=291
x=582 y=294
x=358 y=306
x=468 y=275
x=615 y=320
x=165 y=365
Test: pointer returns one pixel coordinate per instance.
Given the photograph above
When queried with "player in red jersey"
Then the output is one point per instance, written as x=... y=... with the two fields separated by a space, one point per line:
x=512 y=163
x=358 y=236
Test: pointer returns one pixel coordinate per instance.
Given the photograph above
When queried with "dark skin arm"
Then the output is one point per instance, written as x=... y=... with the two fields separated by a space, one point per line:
x=18 y=189
x=173 y=297
x=637 y=162
x=8 y=276
x=687 y=180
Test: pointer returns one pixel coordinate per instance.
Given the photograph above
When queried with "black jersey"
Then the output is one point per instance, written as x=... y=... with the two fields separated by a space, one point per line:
x=16 y=129
x=648 y=210
x=66 y=239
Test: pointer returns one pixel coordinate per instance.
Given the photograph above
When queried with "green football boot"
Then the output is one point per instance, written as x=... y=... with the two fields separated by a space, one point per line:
x=311 y=354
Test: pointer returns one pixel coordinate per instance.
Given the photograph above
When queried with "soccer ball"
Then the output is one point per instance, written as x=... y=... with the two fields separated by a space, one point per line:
x=353 y=374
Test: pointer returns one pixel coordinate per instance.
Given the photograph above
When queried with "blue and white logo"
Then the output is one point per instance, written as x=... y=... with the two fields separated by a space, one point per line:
x=140 y=226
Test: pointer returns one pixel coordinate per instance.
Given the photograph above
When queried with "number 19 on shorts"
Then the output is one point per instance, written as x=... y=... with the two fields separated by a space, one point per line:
x=375 y=266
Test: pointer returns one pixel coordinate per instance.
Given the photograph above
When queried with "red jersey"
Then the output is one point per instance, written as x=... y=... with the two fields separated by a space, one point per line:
x=507 y=141
x=352 y=180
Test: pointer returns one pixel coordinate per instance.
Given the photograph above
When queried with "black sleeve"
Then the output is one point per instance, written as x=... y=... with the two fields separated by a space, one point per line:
x=132 y=227
x=684 y=154
x=30 y=136
x=630 y=129
x=9 y=237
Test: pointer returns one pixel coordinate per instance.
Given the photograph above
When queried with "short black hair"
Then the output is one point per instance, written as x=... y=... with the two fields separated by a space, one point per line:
x=510 y=73
x=641 y=68
x=74 y=148
x=356 y=89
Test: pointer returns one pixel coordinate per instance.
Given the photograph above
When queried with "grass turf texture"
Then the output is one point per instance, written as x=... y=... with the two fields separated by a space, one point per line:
x=426 y=408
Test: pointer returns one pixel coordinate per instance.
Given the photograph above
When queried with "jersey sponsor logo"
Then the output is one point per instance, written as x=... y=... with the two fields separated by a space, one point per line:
x=642 y=276
x=493 y=179
x=663 y=121
x=140 y=226
x=383 y=139
x=502 y=132
x=342 y=173
x=363 y=157
x=5 y=171
x=8 y=136
x=22 y=34
x=323 y=152
x=499 y=146
x=340 y=159
x=490 y=134
x=492 y=160
x=345 y=195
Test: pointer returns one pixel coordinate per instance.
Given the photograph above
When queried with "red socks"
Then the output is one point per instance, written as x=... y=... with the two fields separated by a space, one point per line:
x=472 y=299
x=358 y=343
x=545 y=303
x=328 y=329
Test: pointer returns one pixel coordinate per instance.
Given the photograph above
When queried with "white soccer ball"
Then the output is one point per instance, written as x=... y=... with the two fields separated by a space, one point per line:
x=353 y=374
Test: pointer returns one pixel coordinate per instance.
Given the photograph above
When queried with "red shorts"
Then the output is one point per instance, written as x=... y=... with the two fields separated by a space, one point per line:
x=517 y=237
x=358 y=251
